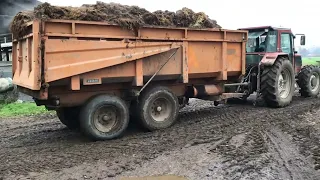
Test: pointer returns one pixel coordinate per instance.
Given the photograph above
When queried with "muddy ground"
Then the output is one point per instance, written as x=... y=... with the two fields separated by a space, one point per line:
x=208 y=142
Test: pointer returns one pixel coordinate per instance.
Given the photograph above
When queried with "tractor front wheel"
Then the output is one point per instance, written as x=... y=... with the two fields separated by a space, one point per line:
x=277 y=83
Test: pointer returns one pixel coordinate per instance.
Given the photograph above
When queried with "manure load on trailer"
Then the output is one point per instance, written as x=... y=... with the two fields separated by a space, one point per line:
x=129 y=17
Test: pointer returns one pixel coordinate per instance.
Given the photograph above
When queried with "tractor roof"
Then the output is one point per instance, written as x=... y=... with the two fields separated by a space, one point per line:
x=264 y=27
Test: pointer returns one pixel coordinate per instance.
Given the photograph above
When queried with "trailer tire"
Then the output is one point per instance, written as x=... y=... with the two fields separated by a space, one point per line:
x=104 y=117
x=309 y=81
x=69 y=116
x=273 y=82
x=158 y=108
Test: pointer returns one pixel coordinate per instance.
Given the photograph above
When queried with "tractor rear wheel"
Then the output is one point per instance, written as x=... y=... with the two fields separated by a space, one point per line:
x=277 y=83
x=309 y=81
x=69 y=116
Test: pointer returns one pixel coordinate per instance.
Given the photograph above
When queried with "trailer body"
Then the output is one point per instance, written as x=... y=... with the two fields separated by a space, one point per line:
x=70 y=61
x=95 y=75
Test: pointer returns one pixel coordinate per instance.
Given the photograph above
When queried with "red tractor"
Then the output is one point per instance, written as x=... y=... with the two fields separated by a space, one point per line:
x=273 y=67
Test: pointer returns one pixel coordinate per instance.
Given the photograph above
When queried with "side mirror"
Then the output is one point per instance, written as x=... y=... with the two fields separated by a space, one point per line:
x=303 y=40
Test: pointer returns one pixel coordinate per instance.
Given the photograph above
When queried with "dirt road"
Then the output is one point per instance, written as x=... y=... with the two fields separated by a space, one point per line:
x=224 y=142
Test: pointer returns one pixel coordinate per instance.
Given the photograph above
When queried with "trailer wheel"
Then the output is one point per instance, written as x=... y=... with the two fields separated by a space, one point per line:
x=69 y=116
x=277 y=83
x=158 y=108
x=309 y=81
x=104 y=117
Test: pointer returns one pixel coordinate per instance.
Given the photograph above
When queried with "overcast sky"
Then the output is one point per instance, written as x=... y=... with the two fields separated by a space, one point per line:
x=301 y=17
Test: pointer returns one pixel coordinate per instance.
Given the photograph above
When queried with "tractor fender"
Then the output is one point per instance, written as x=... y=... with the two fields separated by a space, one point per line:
x=269 y=58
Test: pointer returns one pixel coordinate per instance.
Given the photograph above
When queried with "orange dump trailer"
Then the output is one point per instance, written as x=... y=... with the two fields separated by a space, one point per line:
x=97 y=76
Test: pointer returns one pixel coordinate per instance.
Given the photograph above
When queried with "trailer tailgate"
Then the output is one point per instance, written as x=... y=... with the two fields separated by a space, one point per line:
x=26 y=58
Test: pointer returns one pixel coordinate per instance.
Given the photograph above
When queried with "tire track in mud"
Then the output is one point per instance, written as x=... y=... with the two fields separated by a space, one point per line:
x=278 y=144
x=287 y=154
x=306 y=133
x=243 y=154
x=53 y=148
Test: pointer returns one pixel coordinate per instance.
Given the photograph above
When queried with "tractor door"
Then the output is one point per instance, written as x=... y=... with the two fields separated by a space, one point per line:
x=286 y=45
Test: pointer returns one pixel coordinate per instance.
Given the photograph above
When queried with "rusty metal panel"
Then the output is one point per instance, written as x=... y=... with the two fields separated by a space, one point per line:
x=26 y=59
x=139 y=73
x=153 y=63
x=66 y=58
x=234 y=57
x=121 y=70
x=63 y=28
x=204 y=57
x=201 y=34
x=224 y=66
x=29 y=55
x=89 y=29
x=75 y=82
x=185 y=68
x=235 y=36
x=14 y=57
x=243 y=59
x=162 y=33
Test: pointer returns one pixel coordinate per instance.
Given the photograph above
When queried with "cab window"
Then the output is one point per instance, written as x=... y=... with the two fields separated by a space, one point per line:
x=286 y=44
x=272 y=42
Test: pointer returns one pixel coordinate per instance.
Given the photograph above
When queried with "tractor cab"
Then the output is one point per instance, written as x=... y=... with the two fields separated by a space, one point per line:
x=267 y=40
